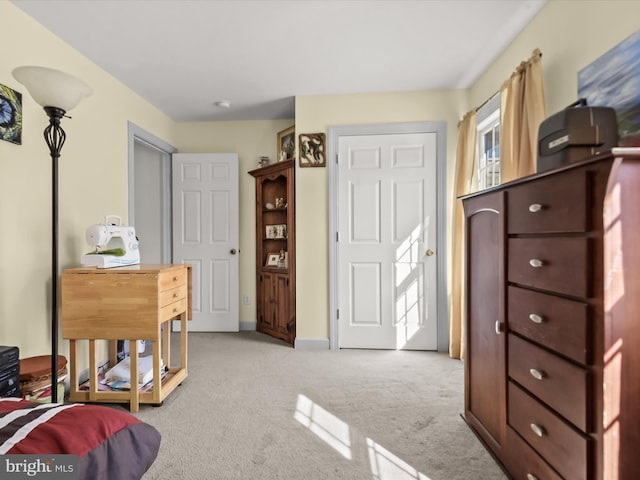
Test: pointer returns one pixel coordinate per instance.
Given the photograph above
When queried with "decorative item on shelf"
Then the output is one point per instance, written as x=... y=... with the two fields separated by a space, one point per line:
x=312 y=150
x=272 y=260
x=281 y=202
x=263 y=161
x=10 y=115
x=270 y=231
x=57 y=92
x=273 y=232
x=282 y=259
x=269 y=206
x=286 y=143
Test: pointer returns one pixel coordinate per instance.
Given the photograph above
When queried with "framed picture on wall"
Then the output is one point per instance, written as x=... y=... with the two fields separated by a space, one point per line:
x=10 y=115
x=312 y=150
x=286 y=143
x=612 y=81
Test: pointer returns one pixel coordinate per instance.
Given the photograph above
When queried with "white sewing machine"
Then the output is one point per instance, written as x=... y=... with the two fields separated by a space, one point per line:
x=116 y=245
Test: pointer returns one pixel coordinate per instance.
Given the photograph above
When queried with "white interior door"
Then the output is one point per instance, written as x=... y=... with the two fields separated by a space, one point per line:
x=387 y=241
x=206 y=235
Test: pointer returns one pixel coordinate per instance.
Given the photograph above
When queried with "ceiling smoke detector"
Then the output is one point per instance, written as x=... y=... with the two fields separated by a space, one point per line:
x=223 y=104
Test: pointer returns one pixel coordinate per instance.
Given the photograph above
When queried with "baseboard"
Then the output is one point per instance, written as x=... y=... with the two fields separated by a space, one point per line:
x=312 y=343
x=247 y=326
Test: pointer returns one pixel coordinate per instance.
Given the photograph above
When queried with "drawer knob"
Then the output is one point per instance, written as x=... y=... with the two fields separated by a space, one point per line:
x=531 y=476
x=535 y=207
x=498 y=327
x=537 y=374
x=175 y=279
x=535 y=318
x=175 y=295
x=537 y=429
x=536 y=262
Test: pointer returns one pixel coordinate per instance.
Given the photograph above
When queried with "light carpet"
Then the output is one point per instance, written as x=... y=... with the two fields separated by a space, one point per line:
x=254 y=408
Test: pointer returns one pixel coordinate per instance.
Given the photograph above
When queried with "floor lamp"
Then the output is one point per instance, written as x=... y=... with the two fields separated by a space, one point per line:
x=57 y=92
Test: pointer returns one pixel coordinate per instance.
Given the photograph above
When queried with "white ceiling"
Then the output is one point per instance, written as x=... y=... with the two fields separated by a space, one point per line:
x=184 y=55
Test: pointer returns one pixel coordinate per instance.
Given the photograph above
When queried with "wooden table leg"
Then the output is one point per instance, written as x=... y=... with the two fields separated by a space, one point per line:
x=183 y=341
x=113 y=353
x=133 y=376
x=166 y=342
x=157 y=374
x=93 y=371
x=73 y=366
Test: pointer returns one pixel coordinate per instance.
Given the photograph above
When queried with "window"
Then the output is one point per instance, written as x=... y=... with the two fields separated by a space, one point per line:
x=489 y=144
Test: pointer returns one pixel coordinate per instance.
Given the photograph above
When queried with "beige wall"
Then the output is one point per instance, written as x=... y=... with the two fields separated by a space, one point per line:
x=93 y=172
x=93 y=177
x=316 y=114
x=570 y=34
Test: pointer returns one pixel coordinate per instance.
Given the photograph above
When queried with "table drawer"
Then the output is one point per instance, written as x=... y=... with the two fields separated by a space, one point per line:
x=559 y=324
x=172 y=310
x=553 y=204
x=561 y=385
x=565 y=449
x=173 y=278
x=523 y=462
x=173 y=295
x=562 y=264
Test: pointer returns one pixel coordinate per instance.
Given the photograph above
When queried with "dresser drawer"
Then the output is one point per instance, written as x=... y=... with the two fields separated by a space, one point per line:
x=173 y=278
x=523 y=462
x=559 y=324
x=172 y=310
x=173 y=295
x=564 y=265
x=561 y=385
x=564 y=448
x=549 y=205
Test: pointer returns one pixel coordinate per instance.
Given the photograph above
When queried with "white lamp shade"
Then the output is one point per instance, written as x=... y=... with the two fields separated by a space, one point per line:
x=52 y=88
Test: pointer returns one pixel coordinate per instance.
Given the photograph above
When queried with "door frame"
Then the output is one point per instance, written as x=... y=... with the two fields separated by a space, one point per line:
x=334 y=134
x=137 y=134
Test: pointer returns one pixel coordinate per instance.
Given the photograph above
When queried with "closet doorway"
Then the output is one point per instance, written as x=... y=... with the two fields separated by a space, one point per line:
x=150 y=194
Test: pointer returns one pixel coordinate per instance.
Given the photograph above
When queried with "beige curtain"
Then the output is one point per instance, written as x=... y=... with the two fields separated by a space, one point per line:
x=522 y=108
x=465 y=181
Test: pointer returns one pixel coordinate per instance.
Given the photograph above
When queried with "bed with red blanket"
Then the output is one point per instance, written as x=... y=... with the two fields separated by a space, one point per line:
x=110 y=444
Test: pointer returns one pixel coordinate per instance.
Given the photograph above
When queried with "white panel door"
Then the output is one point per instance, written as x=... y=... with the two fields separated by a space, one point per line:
x=386 y=246
x=206 y=235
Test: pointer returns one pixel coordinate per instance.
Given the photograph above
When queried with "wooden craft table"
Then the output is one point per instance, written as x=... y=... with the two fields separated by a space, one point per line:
x=126 y=303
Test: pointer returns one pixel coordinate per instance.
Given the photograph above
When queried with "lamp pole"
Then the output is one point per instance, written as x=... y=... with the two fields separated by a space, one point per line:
x=54 y=136
x=57 y=92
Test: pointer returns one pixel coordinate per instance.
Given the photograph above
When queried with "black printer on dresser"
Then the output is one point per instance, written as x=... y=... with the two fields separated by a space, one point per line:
x=9 y=371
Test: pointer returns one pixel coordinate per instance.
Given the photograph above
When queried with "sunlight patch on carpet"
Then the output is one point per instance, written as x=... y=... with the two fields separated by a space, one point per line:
x=326 y=426
x=386 y=466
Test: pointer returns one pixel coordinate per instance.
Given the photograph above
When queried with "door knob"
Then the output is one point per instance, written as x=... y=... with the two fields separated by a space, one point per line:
x=429 y=253
x=232 y=251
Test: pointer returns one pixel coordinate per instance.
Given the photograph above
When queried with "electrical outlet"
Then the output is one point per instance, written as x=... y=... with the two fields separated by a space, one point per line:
x=246 y=300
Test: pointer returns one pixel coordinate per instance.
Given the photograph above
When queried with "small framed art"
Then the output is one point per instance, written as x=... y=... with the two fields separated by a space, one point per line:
x=286 y=143
x=10 y=115
x=312 y=149
x=275 y=231
x=272 y=260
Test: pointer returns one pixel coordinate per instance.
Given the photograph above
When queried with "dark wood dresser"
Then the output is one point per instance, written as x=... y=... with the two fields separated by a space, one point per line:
x=552 y=346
